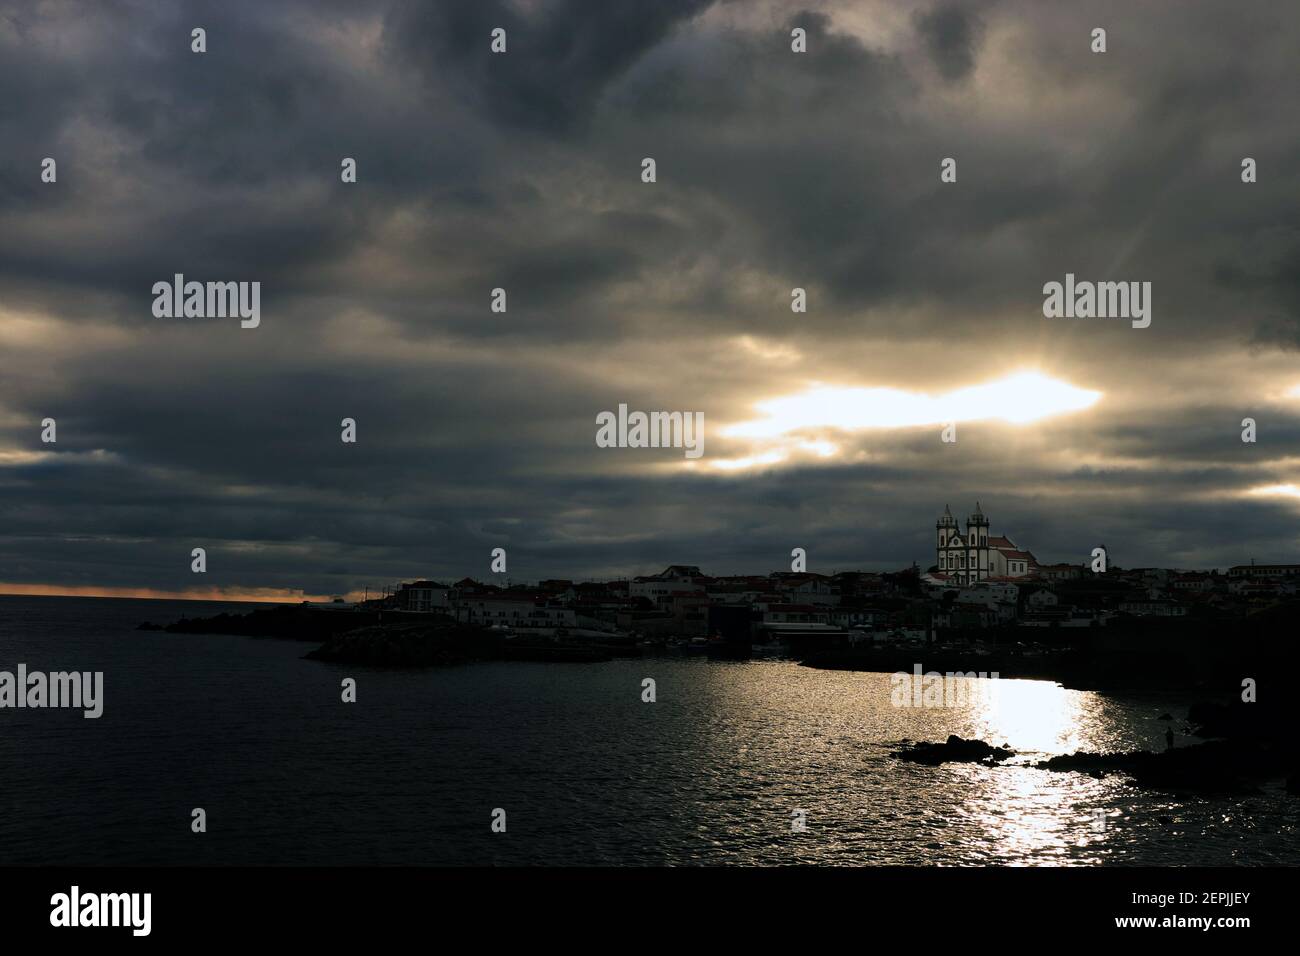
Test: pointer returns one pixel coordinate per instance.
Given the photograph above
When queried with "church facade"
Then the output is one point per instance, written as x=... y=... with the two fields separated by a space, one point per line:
x=976 y=555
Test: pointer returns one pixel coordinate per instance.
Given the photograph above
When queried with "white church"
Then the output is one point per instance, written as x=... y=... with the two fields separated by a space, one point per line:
x=977 y=556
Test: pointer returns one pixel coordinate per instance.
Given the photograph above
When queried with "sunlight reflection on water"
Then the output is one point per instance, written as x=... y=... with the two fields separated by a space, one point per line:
x=1037 y=715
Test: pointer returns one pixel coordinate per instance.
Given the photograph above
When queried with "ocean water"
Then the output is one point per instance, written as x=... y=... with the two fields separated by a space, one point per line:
x=715 y=771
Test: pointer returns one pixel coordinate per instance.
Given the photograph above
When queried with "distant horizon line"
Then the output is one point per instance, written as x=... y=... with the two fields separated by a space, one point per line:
x=209 y=595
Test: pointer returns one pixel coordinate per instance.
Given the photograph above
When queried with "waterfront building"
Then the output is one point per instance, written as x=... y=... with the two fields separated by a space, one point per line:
x=424 y=596
x=1253 y=570
x=515 y=609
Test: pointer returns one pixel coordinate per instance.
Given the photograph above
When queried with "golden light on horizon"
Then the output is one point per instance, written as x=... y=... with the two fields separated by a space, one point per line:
x=241 y=595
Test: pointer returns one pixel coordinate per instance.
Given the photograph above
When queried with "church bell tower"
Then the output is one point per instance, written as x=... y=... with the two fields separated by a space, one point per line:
x=977 y=545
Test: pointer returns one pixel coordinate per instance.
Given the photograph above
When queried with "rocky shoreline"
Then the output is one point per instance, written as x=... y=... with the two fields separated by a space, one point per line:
x=282 y=621
x=1208 y=768
x=365 y=638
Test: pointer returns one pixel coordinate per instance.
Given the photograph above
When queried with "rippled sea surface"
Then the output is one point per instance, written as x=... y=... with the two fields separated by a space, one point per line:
x=711 y=773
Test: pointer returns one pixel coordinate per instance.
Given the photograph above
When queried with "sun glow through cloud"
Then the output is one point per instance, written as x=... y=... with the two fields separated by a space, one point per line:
x=1276 y=491
x=793 y=427
x=1018 y=399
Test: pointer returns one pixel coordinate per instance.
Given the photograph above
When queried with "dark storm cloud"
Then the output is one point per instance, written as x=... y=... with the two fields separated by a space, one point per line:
x=522 y=171
x=562 y=54
x=950 y=37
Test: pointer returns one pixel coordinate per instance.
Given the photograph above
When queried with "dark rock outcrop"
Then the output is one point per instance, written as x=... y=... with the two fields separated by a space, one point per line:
x=1215 y=767
x=954 y=749
x=292 y=622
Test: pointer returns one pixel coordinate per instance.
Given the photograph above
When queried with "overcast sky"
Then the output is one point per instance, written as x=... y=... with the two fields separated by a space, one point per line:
x=522 y=171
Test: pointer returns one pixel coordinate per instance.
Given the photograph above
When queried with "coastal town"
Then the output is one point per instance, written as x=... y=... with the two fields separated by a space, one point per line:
x=978 y=583
x=986 y=608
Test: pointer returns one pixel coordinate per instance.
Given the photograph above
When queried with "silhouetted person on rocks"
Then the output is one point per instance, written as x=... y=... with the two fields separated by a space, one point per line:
x=1169 y=738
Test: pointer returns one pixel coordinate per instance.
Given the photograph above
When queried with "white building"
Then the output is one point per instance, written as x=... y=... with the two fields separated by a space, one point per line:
x=1264 y=570
x=1150 y=608
x=514 y=610
x=660 y=591
x=975 y=555
x=1042 y=599
x=806 y=588
x=424 y=596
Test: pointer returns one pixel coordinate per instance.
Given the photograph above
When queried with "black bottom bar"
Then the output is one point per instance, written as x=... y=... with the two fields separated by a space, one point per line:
x=613 y=905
